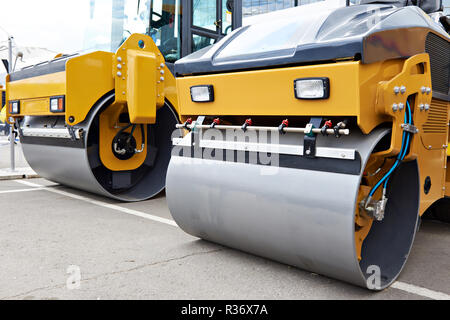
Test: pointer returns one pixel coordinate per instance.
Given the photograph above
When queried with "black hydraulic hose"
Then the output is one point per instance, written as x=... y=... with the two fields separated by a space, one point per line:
x=122 y=130
x=143 y=134
x=131 y=133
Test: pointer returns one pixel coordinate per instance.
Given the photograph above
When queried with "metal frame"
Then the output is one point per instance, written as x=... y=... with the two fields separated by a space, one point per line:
x=295 y=150
x=196 y=125
x=63 y=133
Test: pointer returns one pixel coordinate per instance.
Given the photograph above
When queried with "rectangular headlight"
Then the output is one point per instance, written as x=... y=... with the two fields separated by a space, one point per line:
x=57 y=104
x=14 y=107
x=203 y=93
x=312 y=88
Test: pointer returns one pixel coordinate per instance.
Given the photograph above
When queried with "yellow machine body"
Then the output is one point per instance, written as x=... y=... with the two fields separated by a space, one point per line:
x=141 y=86
x=2 y=106
x=263 y=181
x=138 y=89
x=363 y=91
x=108 y=120
x=87 y=78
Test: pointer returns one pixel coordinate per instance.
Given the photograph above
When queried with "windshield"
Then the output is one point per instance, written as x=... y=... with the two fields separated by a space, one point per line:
x=165 y=27
x=158 y=18
x=279 y=32
x=111 y=22
x=85 y=26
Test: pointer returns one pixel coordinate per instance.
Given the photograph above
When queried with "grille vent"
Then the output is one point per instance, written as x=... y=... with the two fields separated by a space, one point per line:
x=437 y=118
x=438 y=50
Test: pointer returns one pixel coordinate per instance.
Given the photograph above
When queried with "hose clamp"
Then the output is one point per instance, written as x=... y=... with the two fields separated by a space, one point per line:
x=408 y=127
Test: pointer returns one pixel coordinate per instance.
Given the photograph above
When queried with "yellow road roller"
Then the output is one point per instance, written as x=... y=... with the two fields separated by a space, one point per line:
x=317 y=138
x=2 y=106
x=102 y=121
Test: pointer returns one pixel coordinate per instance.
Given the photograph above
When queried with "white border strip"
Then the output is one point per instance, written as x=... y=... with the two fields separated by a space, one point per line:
x=21 y=190
x=102 y=204
x=420 y=291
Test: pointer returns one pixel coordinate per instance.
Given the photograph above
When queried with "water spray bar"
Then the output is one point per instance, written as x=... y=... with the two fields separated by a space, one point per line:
x=191 y=126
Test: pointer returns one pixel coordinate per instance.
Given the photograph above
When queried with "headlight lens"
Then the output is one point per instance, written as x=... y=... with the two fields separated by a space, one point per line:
x=14 y=107
x=203 y=93
x=312 y=88
x=57 y=104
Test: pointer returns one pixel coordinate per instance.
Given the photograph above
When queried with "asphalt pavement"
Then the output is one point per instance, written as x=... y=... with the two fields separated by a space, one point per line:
x=61 y=243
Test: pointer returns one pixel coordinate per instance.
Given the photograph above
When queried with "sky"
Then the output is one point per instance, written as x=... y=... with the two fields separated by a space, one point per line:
x=43 y=28
x=60 y=25
x=52 y=24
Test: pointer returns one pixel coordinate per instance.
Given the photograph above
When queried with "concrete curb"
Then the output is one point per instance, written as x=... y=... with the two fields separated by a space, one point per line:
x=19 y=173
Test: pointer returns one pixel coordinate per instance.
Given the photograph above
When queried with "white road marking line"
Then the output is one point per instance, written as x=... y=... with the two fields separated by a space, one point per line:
x=420 y=291
x=28 y=183
x=21 y=190
x=102 y=204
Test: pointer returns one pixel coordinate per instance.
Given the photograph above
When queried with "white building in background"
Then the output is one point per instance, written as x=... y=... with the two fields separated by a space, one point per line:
x=446 y=4
x=255 y=7
x=31 y=56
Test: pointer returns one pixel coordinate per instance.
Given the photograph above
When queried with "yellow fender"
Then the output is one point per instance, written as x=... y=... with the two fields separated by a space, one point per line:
x=3 y=114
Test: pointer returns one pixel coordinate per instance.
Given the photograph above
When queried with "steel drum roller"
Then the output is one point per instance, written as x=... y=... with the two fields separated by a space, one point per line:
x=304 y=218
x=80 y=166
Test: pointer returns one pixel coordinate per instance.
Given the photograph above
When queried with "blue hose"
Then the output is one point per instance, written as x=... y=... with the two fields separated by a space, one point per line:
x=401 y=155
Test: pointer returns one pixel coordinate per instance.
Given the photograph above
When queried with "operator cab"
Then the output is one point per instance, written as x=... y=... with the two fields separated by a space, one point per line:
x=178 y=27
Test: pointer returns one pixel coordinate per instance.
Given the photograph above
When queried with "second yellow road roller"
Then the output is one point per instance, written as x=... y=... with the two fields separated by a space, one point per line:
x=101 y=120
x=317 y=138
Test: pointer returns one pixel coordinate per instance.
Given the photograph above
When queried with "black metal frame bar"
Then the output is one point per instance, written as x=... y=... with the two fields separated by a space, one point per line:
x=188 y=29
